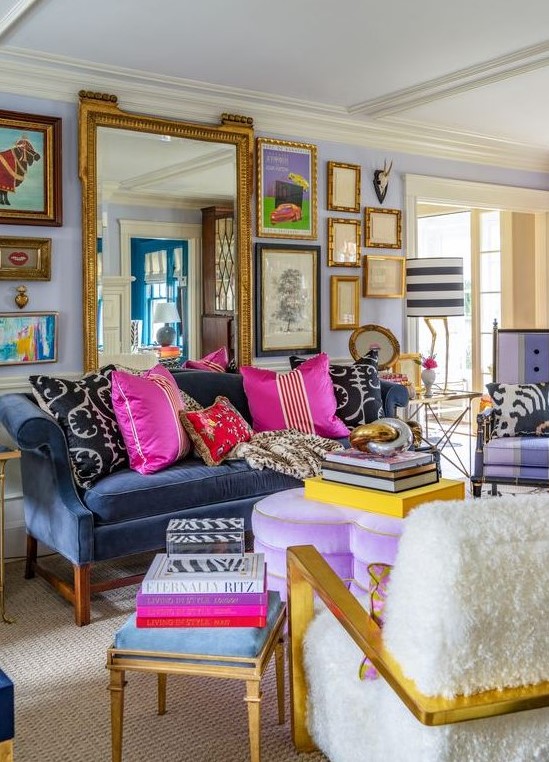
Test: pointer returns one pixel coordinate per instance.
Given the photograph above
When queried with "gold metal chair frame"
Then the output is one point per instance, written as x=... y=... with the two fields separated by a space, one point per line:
x=309 y=573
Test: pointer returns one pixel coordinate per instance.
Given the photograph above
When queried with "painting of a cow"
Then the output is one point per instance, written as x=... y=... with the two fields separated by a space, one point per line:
x=14 y=163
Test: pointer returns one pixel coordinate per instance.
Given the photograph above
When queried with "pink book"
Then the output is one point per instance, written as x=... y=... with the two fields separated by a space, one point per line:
x=203 y=599
x=200 y=611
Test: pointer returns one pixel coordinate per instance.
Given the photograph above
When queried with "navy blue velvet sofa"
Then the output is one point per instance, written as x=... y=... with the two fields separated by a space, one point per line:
x=126 y=512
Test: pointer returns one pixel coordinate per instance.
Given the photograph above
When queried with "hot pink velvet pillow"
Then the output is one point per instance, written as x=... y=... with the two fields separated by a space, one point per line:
x=147 y=410
x=303 y=399
x=217 y=361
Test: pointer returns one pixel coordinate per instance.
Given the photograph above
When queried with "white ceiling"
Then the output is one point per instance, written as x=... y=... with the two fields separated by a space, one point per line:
x=442 y=76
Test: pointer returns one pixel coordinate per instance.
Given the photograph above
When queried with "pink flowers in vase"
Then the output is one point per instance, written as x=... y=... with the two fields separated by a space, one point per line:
x=429 y=362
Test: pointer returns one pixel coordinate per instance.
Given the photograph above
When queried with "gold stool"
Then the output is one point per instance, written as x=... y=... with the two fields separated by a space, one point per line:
x=240 y=654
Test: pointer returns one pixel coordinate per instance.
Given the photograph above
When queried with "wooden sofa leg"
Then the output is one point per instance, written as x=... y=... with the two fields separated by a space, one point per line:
x=82 y=594
x=32 y=553
x=476 y=488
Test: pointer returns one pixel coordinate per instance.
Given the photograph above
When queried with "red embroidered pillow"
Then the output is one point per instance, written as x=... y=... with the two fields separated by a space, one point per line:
x=215 y=430
x=217 y=361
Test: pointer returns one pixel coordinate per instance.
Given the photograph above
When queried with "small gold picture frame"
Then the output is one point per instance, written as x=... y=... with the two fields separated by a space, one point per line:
x=384 y=277
x=343 y=243
x=409 y=364
x=343 y=187
x=382 y=228
x=25 y=258
x=344 y=302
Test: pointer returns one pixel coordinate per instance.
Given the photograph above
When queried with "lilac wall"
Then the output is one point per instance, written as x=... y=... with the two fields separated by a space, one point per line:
x=64 y=292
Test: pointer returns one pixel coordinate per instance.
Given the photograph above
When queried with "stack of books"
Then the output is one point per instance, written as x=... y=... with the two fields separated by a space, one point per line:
x=396 y=473
x=204 y=589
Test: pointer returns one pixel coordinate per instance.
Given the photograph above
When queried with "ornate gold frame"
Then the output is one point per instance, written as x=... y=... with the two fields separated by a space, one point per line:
x=42 y=268
x=269 y=232
x=333 y=205
x=386 y=340
x=335 y=282
x=371 y=240
x=332 y=261
x=102 y=110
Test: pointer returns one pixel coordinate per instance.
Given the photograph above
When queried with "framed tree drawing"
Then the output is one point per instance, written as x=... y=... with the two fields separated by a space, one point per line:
x=287 y=299
x=286 y=189
x=30 y=169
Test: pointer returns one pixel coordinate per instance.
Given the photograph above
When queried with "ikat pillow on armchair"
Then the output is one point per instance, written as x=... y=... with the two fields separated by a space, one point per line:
x=84 y=410
x=357 y=389
x=303 y=399
x=216 y=430
x=520 y=409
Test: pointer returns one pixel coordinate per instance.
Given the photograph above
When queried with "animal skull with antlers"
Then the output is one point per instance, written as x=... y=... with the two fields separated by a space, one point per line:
x=381 y=181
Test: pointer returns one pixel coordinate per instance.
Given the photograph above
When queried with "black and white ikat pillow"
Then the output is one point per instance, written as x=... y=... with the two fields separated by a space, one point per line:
x=520 y=409
x=357 y=389
x=84 y=410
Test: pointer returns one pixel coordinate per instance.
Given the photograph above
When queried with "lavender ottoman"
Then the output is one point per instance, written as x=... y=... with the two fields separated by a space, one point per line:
x=349 y=539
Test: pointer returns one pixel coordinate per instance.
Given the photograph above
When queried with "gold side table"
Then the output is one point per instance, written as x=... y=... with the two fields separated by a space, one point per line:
x=6 y=453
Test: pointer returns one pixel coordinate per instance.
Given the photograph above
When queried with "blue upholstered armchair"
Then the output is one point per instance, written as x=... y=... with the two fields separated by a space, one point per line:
x=513 y=434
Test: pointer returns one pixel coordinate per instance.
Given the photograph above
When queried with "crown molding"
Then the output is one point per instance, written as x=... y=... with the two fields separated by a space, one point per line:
x=460 y=81
x=58 y=78
x=13 y=14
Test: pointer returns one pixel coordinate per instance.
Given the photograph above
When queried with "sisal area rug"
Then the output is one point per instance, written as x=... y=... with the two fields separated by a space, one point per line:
x=62 y=701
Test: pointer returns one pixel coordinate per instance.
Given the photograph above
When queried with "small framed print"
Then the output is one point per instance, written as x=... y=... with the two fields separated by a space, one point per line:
x=384 y=277
x=344 y=302
x=25 y=258
x=343 y=243
x=28 y=337
x=382 y=228
x=409 y=363
x=343 y=187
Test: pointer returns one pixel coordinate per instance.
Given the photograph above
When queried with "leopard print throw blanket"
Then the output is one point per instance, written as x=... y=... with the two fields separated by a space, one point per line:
x=289 y=452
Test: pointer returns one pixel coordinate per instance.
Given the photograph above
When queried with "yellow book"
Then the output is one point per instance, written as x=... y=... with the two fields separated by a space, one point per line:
x=376 y=501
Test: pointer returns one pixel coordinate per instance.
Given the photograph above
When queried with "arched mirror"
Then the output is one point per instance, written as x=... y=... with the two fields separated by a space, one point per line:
x=166 y=221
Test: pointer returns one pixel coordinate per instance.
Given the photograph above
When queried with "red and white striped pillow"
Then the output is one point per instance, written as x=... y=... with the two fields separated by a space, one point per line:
x=303 y=399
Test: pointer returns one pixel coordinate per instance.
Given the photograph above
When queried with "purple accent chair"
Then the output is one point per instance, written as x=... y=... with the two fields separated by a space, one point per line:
x=519 y=357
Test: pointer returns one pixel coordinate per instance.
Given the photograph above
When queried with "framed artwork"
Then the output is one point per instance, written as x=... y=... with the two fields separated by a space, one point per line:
x=25 y=258
x=287 y=299
x=343 y=187
x=286 y=189
x=382 y=228
x=384 y=277
x=343 y=243
x=344 y=302
x=30 y=169
x=28 y=337
x=409 y=364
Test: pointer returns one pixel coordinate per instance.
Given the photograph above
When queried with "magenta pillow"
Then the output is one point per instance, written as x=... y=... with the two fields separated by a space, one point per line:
x=303 y=399
x=147 y=410
x=217 y=361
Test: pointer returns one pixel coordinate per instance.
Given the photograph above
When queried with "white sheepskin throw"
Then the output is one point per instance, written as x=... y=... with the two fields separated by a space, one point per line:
x=468 y=602
x=467 y=610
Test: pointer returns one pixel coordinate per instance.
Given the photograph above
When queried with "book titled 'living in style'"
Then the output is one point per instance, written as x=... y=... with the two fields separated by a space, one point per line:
x=186 y=573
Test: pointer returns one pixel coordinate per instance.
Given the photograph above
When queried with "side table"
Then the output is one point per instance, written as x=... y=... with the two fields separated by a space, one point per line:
x=6 y=453
x=428 y=407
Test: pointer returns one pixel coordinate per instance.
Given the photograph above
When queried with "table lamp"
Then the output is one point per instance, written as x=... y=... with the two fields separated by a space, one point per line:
x=166 y=312
x=434 y=289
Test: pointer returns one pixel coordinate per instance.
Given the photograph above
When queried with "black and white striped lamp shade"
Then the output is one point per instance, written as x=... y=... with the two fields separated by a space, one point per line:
x=434 y=287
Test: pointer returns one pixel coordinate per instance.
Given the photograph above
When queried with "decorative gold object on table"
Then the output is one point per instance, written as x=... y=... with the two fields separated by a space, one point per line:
x=384 y=437
x=5 y=454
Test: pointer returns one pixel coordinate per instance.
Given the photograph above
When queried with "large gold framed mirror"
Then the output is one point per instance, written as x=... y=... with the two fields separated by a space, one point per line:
x=211 y=170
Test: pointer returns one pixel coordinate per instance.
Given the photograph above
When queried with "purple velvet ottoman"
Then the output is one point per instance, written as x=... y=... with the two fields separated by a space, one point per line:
x=349 y=539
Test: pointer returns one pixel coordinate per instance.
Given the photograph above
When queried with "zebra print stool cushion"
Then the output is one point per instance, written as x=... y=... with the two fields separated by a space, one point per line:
x=520 y=409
